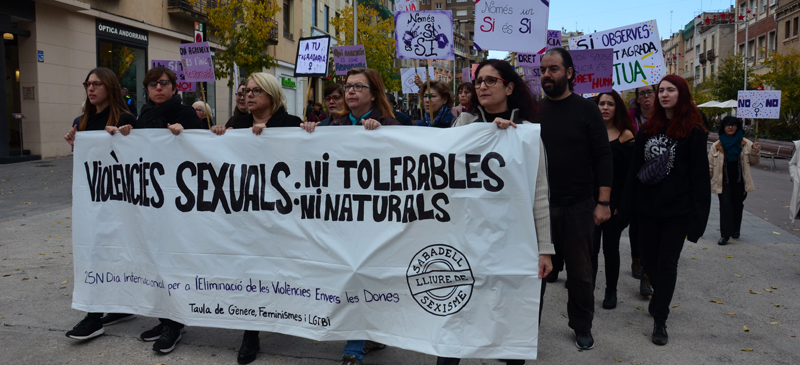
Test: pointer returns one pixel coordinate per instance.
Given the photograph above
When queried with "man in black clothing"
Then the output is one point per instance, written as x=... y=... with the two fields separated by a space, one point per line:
x=401 y=117
x=576 y=142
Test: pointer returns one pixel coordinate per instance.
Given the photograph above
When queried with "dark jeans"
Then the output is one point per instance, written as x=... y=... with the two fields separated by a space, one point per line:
x=731 y=205
x=633 y=235
x=661 y=244
x=573 y=227
x=610 y=233
x=170 y=323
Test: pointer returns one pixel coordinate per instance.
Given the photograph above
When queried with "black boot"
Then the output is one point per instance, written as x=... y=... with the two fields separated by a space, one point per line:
x=250 y=347
x=645 y=289
x=636 y=269
x=723 y=241
x=610 y=301
x=660 y=336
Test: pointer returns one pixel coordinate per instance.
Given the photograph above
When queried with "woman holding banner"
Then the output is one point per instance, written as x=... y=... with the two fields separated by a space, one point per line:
x=266 y=103
x=669 y=191
x=620 y=138
x=365 y=104
x=437 y=101
x=104 y=109
x=501 y=97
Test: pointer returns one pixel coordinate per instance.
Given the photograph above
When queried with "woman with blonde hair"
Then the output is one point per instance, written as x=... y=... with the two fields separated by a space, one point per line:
x=204 y=112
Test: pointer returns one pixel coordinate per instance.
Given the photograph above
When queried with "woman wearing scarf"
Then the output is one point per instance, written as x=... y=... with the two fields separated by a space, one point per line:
x=437 y=101
x=730 y=175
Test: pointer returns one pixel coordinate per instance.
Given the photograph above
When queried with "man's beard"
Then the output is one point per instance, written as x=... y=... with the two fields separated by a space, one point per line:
x=557 y=89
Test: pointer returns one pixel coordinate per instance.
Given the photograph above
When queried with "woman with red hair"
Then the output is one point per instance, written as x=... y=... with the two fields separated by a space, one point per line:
x=670 y=191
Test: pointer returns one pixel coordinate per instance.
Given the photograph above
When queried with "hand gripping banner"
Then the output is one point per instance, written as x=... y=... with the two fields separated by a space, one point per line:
x=422 y=239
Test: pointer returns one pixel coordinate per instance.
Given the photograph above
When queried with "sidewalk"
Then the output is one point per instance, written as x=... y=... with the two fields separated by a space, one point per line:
x=36 y=277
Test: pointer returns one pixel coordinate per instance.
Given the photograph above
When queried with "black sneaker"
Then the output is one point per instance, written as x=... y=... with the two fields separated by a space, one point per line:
x=584 y=339
x=152 y=334
x=610 y=301
x=372 y=345
x=87 y=328
x=114 y=318
x=660 y=336
x=168 y=340
x=250 y=346
x=350 y=360
x=645 y=289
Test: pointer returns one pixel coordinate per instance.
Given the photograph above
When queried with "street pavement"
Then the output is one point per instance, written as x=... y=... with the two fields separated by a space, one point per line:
x=751 y=283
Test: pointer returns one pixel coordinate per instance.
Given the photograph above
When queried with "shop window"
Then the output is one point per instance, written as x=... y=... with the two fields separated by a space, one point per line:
x=128 y=63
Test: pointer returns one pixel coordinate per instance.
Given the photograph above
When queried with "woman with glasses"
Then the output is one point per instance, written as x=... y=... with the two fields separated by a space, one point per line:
x=266 y=103
x=437 y=101
x=104 y=109
x=241 y=107
x=501 y=97
x=365 y=104
x=334 y=101
x=465 y=92
x=203 y=110
x=164 y=107
x=668 y=189
x=645 y=104
x=607 y=234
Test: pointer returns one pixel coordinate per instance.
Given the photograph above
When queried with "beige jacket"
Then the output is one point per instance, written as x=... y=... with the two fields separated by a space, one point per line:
x=716 y=162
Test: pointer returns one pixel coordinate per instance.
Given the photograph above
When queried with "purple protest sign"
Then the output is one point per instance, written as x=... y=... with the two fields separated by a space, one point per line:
x=553 y=39
x=424 y=35
x=593 y=70
x=197 y=63
x=348 y=57
x=176 y=67
x=533 y=79
x=466 y=74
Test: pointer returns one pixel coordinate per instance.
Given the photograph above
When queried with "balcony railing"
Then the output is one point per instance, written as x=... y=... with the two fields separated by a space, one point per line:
x=191 y=10
x=710 y=55
x=703 y=58
x=273 y=32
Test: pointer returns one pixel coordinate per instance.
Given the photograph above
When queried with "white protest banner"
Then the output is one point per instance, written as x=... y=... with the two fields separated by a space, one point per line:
x=176 y=67
x=407 y=78
x=348 y=57
x=312 y=56
x=638 y=60
x=762 y=104
x=424 y=35
x=197 y=63
x=405 y=5
x=300 y=234
x=511 y=25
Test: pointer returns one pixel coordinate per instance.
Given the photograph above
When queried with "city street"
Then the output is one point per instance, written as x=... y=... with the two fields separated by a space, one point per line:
x=738 y=303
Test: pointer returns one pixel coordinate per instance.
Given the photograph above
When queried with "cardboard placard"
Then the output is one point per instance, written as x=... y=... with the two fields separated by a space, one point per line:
x=762 y=104
x=197 y=63
x=348 y=57
x=511 y=25
x=424 y=35
x=312 y=56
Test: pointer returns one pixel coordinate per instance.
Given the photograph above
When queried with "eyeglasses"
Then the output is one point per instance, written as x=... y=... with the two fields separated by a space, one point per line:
x=489 y=80
x=356 y=87
x=333 y=98
x=154 y=84
x=647 y=93
x=431 y=96
x=96 y=84
x=240 y=95
x=256 y=91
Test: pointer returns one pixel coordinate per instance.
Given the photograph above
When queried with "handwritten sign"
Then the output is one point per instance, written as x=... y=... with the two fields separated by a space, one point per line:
x=593 y=70
x=553 y=39
x=348 y=57
x=466 y=74
x=407 y=78
x=176 y=67
x=762 y=104
x=197 y=63
x=638 y=60
x=424 y=35
x=312 y=56
x=511 y=25
x=277 y=236
x=533 y=79
x=405 y=5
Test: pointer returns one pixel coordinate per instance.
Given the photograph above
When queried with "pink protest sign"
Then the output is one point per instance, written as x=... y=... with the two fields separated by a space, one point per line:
x=348 y=57
x=466 y=75
x=176 y=67
x=197 y=63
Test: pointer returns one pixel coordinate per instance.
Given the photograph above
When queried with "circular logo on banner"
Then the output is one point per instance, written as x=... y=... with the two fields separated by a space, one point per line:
x=440 y=279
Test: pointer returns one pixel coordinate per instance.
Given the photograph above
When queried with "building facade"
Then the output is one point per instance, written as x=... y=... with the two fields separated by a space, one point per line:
x=756 y=34
x=787 y=17
x=714 y=37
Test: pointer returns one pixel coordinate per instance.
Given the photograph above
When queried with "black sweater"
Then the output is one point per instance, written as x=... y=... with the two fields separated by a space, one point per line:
x=99 y=121
x=280 y=119
x=685 y=191
x=576 y=141
x=170 y=112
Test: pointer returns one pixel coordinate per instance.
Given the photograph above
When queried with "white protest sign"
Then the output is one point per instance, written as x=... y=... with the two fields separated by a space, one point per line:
x=511 y=25
x=405 y=5
x=424 y=35
x=762 y=104
x=407 y=78
x=312 y=56
x=638 y=60
x=300 y=234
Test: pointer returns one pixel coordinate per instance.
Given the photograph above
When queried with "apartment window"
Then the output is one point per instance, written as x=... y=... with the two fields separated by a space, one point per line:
x=763 y=5
x=327 y=15
x=761 y=47
x=461 y=1
x=461 y=13
x=788 y=29
x=438 y=5
x=314 y=12
x=704 y=73
x=449 y=1
x=704 y=45
x=772 y=43
x=794 y=31
x=751 y=49
x=697 y=72
x=287 y=19
x=712 y=70
x=713 y=37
